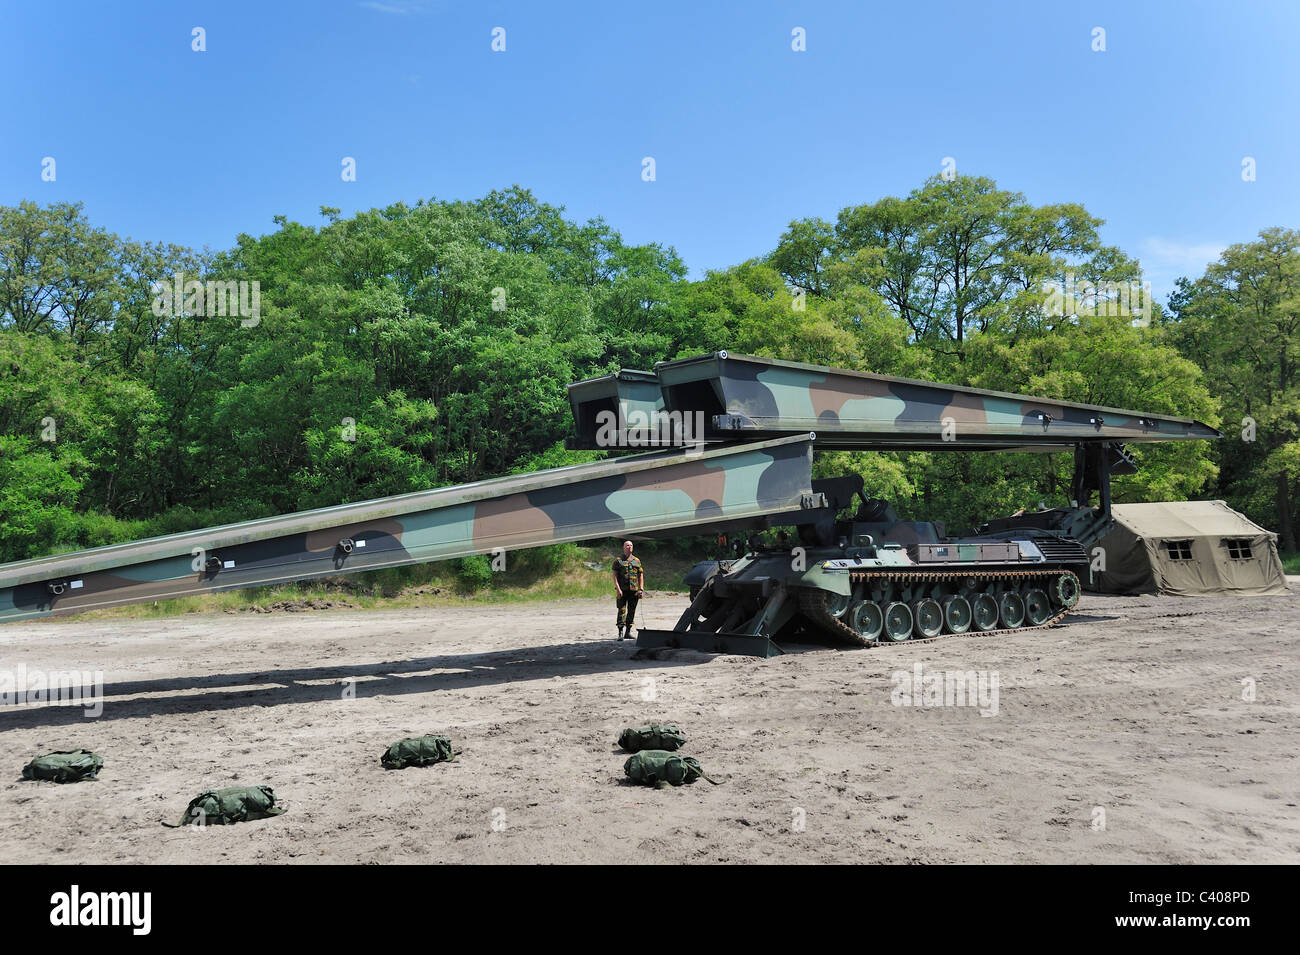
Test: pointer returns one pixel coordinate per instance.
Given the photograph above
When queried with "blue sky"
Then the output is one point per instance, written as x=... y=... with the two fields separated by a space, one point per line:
x=164 y=143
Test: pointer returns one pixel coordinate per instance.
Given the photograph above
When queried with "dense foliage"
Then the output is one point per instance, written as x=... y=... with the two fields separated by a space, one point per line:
x=416 y=346
x=1241 y=323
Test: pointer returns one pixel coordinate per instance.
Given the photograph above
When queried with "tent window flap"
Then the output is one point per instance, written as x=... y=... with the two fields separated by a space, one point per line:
x=1179 y=550
x=1238 y=548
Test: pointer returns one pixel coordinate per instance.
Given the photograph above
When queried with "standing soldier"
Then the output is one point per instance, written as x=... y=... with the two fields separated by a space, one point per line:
x=629 y=585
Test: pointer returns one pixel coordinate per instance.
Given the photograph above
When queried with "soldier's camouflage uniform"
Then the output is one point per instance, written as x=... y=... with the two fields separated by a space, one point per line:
x=631 y=578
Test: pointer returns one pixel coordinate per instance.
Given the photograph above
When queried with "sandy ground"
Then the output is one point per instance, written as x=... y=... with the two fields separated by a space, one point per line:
x=1131 y=714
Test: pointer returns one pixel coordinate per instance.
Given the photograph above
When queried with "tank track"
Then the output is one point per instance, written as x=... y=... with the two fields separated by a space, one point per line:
x=812 y=603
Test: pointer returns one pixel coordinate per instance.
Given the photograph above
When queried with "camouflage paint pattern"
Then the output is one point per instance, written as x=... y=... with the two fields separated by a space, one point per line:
x=622 y=496
x=636 y=391
x=849 y=409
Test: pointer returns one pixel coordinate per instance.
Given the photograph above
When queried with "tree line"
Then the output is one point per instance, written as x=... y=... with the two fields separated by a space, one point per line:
x=429 y=344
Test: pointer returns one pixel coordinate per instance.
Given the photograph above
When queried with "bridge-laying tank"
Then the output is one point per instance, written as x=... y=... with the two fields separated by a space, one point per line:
x=870 y=578
x=724 y=445
x=850 y=572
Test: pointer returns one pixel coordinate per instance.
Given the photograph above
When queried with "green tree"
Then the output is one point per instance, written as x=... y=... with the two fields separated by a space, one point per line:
x=1240 y=322
x=951 y=258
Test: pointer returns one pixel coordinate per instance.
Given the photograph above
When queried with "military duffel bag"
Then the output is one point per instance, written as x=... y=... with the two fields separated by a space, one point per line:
x=417 y=751
x=659 y=768
x=65 y=766
x=225 y=807
x=653 y=736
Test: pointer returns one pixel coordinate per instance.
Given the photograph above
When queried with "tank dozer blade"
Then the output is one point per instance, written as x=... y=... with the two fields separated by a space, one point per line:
x=734 y=643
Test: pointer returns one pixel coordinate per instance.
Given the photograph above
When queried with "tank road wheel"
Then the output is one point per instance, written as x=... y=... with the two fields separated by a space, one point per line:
x=867 y=619
x=837 y=605
x=984 y=612
x=929 y=618
x=1038 y=609
x=898 y=621
x=1011 y=610
x=957 y=614
x=1067 y=590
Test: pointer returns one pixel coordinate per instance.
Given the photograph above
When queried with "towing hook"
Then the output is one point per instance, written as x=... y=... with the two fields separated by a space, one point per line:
x=346 y=545
x=57 y=587
x=212 y=565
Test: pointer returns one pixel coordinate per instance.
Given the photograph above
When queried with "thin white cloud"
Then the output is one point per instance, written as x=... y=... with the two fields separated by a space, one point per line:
x=1165 y=261
x=1181 y=258
x=398 y=7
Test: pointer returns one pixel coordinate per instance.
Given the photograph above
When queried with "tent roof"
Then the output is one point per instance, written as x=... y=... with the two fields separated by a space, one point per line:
x=1186 y=519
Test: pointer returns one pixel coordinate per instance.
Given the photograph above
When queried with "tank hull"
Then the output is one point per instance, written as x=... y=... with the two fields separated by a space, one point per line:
x=866 y=595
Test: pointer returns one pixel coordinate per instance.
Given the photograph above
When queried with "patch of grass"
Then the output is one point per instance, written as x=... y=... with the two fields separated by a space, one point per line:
x=1291 y=563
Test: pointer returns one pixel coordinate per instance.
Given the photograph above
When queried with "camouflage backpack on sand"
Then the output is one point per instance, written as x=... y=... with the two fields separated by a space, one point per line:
x=225 y=807
x=65 y=766
x=418 y=751
x=655 y=767
x=653 y=736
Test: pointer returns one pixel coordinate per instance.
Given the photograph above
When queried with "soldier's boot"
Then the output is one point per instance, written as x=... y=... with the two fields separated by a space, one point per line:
x=620 y=631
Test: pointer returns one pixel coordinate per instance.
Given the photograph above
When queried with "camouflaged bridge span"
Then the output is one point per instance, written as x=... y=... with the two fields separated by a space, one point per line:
x=645 y=492
x=740 y=398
